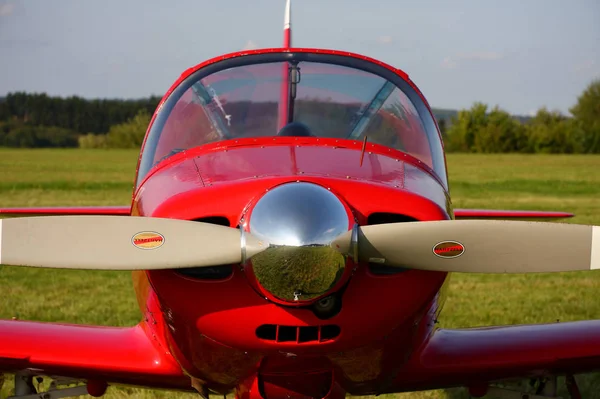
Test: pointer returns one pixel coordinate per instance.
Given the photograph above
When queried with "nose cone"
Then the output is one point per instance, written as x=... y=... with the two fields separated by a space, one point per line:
x=299 y=214
x=299 y=221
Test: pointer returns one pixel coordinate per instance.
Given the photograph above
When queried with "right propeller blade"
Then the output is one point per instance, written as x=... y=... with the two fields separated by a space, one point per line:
x=478 y=246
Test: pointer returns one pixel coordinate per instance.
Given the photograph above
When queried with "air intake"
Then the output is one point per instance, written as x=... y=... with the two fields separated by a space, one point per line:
x=298 y=334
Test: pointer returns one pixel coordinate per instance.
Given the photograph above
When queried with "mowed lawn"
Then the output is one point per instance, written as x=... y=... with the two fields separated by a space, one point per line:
x=98 y=177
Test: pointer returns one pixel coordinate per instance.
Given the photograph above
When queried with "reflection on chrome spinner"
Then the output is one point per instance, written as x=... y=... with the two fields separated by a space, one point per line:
x=299 y=221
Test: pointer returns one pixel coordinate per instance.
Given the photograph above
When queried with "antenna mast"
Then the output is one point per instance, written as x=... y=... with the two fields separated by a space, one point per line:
x=284 y=98
x=287 y=25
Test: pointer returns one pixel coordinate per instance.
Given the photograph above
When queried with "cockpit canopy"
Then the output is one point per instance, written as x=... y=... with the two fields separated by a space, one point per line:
x=294 y=94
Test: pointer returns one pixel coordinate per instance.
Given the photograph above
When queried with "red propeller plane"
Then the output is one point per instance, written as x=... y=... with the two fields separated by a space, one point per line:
x=291 y=235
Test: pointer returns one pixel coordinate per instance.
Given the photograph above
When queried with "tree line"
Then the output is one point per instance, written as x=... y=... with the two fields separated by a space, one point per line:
x=38 y=120
x=495 y=131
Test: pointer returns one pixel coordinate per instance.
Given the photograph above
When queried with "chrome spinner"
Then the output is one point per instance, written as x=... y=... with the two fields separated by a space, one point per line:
x=299 y=221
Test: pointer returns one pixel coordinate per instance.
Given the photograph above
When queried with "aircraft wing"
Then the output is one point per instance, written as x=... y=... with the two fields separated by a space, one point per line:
x=124 y=210
x=513 y=215
x=478 y=355
x=123 y=355
x=67 y=210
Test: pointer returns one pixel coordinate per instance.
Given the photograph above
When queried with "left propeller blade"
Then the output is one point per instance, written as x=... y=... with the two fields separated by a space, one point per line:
x=120 y=243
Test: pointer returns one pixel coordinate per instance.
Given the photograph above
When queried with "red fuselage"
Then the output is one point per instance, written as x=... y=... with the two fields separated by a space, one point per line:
x=211 y=325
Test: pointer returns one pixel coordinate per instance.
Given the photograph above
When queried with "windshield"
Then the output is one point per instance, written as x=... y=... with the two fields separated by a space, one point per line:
x=298 y=98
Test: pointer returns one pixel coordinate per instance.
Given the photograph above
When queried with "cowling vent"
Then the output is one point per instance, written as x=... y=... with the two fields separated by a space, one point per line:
x=298 y=334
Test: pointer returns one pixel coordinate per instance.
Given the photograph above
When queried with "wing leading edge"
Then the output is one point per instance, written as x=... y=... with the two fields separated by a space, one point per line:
x=122 y=355
x=513 y=215
x=67 y=210
x=480 y=355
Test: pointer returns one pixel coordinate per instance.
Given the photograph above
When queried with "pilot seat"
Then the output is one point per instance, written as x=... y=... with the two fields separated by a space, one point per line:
x=295 y=129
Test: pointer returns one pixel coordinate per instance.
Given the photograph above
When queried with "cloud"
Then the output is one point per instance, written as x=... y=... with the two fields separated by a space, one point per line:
x=385 y=39
x=449 y=63
x=455 y=60
x=585 y=66
x=6 y=9
x=250 y=45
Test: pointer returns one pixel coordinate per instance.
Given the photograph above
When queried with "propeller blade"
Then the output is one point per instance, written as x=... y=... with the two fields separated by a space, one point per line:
x=478 y=246
x=120 y=243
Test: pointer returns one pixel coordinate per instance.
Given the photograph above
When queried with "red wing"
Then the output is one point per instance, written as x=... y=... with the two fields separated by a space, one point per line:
x=67 y=210
x=471 y=356
x=500 y=214
x=125 y=355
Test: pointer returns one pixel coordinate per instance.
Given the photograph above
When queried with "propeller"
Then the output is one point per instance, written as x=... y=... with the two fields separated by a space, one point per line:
x=478 y=246
x=121 y=243
x=146 y=243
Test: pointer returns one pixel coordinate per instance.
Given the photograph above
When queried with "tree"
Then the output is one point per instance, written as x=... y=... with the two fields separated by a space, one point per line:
x=462 y=131
x=72 y=113
x=443 y=129
x=500 y=133
x=587 y=116
x=18 y=134
x=92 y=140
x=554 y=133
x=129 y=134
x=477 y=130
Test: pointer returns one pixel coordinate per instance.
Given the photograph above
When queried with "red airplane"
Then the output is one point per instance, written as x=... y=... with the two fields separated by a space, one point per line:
x=294 y=240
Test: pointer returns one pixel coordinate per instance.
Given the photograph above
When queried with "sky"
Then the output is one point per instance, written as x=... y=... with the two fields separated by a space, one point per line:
x=518 y=54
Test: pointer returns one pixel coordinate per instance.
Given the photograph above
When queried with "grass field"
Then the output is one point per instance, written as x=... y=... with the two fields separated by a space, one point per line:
x=96 y=177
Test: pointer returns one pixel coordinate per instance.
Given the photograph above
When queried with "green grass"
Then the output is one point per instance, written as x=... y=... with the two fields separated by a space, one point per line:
x=96 y=177
x=66 y=177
